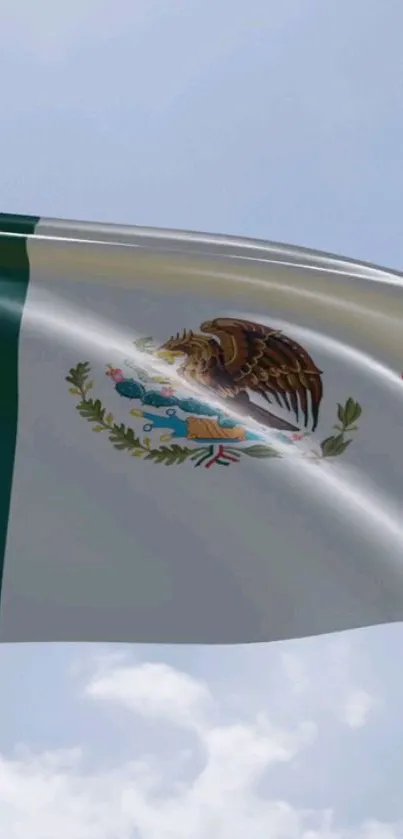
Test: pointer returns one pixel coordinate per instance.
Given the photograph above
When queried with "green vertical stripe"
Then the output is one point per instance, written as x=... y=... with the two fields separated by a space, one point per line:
x=14 y=278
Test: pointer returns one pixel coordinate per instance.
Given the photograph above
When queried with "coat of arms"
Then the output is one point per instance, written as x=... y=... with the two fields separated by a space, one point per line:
x=259 y=395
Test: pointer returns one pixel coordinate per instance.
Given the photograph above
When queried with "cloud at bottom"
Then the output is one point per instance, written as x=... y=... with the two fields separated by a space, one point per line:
x=203 y=760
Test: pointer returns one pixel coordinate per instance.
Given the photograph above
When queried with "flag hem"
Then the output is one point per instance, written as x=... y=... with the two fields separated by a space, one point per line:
x=14 y=279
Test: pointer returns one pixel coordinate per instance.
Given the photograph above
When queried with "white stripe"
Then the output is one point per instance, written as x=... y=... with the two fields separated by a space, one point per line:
x=376 y=517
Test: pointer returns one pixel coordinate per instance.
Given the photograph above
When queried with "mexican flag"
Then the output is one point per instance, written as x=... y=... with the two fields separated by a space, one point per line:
x=137 y=507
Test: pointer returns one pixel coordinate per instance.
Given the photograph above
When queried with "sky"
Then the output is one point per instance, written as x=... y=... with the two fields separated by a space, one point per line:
x=274 y=120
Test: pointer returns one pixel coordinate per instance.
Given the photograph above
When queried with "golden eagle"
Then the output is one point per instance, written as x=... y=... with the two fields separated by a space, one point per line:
x=248 y=358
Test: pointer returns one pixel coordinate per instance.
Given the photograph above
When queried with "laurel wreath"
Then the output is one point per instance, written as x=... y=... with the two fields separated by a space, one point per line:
x=123 y=438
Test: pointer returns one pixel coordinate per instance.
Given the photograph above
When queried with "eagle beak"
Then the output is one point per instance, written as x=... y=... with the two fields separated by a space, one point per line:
x=169 y=356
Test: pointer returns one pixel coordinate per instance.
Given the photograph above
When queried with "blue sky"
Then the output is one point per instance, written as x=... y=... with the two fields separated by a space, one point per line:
x=275 y=120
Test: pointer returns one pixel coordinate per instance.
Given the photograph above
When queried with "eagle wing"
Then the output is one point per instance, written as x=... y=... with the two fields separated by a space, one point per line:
x=261 y=359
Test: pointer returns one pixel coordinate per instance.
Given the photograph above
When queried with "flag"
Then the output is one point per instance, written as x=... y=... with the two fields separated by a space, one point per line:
x=200 y=437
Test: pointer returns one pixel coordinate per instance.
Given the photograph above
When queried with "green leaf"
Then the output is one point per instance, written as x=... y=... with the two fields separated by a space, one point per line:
x=261 y=451
x=340 y=413
x=334 y=446
x=74 y=380
x=123 y=438
x=98 y=428
x=327 y=445
x=79 y=374
x=91 y=410
x=169 y=455
x=352 y=412
x=341 y=448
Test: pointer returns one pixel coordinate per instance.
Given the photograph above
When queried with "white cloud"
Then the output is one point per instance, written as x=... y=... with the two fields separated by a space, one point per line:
x=296 y=672
x=153 y=690
x=357 y=708
x=329 y=675
x=48 y=794
x=375 y=830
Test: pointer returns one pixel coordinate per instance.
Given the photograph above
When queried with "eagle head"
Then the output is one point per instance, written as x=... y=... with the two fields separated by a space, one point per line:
x=177 y=346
